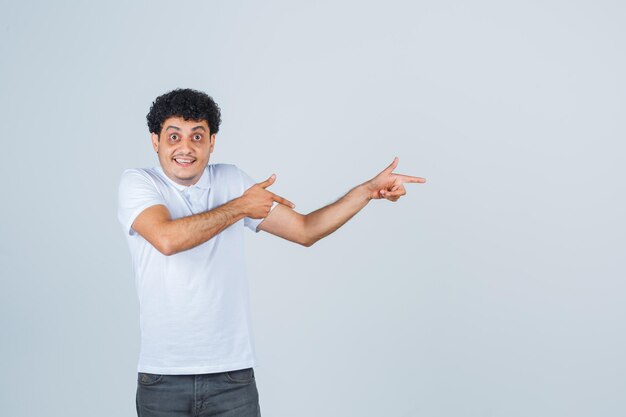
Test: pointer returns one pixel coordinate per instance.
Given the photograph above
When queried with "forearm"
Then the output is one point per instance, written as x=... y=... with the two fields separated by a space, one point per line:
x=188 y=232
x=326 y=220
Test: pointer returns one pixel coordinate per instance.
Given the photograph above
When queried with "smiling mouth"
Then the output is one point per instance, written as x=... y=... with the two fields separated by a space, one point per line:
x=184 y=162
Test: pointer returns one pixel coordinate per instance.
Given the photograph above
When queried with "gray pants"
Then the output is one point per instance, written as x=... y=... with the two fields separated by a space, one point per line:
x=232 y=394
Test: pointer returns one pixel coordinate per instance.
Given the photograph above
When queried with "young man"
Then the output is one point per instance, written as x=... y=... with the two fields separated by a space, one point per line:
x=184 y=223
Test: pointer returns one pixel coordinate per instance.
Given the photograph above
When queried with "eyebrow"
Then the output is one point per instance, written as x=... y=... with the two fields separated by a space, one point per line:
x=178 y=128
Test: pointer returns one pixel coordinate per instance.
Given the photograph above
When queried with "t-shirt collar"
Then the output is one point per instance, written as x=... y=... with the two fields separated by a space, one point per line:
x=203 y=182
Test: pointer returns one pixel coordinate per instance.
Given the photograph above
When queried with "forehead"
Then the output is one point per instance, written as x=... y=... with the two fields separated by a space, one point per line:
x=184 y=125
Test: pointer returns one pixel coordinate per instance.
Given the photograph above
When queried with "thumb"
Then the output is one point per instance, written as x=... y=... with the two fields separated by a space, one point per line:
x=393 y=165
x=268 y=181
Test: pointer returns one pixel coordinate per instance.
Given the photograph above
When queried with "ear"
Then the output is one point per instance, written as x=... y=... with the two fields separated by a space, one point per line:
x=212 y=138
x=155 y=142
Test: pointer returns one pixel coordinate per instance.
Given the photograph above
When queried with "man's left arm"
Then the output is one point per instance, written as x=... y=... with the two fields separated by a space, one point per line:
x=308 y=229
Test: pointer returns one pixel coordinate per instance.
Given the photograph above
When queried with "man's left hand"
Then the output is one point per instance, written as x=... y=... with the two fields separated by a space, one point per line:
x=389 y=185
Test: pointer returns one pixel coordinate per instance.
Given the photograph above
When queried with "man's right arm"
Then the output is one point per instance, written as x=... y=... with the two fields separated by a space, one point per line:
x=172 y=236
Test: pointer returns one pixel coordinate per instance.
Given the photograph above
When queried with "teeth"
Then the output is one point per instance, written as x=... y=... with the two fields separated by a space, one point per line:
x=183 y=161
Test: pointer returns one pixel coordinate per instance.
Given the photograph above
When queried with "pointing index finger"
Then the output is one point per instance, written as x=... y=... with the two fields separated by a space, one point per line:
x=283 y=201
x=409 y=178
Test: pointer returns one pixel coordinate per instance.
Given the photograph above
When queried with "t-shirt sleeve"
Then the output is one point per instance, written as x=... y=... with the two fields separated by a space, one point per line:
x=136 y=193
x=251 y=223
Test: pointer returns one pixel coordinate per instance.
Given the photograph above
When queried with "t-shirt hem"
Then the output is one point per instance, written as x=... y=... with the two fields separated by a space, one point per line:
x=195 y=369
x=256 y=229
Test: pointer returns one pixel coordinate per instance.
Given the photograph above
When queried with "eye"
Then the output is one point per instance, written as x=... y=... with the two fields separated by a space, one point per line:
x=197 y=137
x=173 y=136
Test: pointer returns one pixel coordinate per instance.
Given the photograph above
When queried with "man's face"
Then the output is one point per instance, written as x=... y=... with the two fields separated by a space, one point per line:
x=184 y=147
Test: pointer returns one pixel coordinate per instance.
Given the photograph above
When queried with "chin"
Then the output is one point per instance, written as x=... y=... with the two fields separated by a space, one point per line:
x=187 y=176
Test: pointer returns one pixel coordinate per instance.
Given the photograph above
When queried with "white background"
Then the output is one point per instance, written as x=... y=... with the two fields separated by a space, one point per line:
x=496 y=289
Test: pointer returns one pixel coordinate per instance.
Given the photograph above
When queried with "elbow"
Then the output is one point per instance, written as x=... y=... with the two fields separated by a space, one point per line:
x=166 y=247
x=306 y=235
x=308 y=242
x=166 y=251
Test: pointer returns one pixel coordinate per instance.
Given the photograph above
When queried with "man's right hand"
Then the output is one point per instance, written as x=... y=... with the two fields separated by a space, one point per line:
x=257 y=201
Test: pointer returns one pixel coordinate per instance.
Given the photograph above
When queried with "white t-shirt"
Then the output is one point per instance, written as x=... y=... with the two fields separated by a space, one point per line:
x=194 y=309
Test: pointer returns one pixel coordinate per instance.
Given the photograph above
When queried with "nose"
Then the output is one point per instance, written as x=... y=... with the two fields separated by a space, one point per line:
x=185 y=145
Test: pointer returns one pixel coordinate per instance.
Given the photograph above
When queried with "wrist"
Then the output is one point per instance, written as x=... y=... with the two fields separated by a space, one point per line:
x=239 y=207
x=365 y=191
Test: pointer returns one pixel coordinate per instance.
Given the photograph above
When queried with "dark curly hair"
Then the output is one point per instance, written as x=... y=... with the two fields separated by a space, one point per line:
x=186 y=103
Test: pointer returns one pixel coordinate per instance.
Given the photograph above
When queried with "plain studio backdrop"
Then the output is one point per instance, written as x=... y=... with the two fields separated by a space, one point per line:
x=495 y=289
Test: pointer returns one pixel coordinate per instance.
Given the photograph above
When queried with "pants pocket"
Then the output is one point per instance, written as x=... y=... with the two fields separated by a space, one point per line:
x=146 y=379
x=241 y=376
